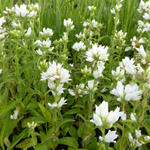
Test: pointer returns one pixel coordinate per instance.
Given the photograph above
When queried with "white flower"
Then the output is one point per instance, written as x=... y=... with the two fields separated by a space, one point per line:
x=32 y=13
x=86 y=24
x=32 y=125
x=15 y=25
x=79 y=46
x=71 y=92
x=128 y=65
x=135 y=142
x=56 y=72
x=0 y=71
x=103 y=117
x=97 y=53
x=132 y=92
x=47 y=31
x=92 y=85
x=138 y=133
x=146 y=138
x=28 y=32
x=21 y=11
x=91 y=8
x=15 y=115
x=113 y=11
x=39 y=52
x=123 y=116
x=38 y=43
x=94 y=23
x=68 y=23
x=86 y=70
x=59 y=105
x=119 y=73
x=141 y=51
x=118 y=91
x=99 y=72
x=132 y=117
x=46 y=43
x=2 y=20
x=110 y=137
x=129 y=92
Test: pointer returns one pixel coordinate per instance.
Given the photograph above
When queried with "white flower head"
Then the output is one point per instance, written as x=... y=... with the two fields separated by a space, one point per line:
x=102 y=117
x=56 y=72
x=97 y=53
x=14 y=116
x=132 y=117
x=28 y=32
x=110 y=137
x=91 y=8
x=47 y=32
x=21 y=11
x=79 y=46
x=58 y=105
x=68 y=23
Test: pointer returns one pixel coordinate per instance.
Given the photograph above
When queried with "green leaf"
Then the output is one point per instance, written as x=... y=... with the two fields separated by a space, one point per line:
x=19 y=137
x=65 y=121
x=69 y=141
x=45 y=112
x=9 y=106
x=25 y=144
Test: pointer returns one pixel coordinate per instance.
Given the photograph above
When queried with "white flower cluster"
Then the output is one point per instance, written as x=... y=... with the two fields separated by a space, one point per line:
x=102 y=117
x=68 y=24
x=79 y=46
x=129 y=92
x=137 y=44
x=3 y=32
x=117 y=7
x=23 y=10
x=97 y=53
x=14 y=116
x=59 y=104
x=45 y=44
x=46 y=32
x=128 y=66
x=139 y=140
x=144 y=10
x=57 y=76
x=120 y=36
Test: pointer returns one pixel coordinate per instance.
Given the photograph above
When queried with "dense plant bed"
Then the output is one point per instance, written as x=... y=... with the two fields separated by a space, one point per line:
x=75 y=75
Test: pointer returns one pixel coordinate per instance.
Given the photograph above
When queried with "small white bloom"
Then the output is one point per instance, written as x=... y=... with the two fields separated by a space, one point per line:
x=97 y=53
x=0 y=71
x=15 y=115
x=39 y=52
x=28 y=32
x=141 y=51
x=21 y=11
x=68 y=23
x=132 y=117
x=47 y=31
x=138 y=133
x=79 y=46
x=59 y=105
x=110 y=137
x=146 y=138
x=71 y=92
x=103 y=117
x=91 y=8
x=132 y=92
x=56 y=71
x=118 y=91
x=128 y=65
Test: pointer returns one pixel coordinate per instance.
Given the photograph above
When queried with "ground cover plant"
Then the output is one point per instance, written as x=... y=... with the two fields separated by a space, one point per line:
x=75 y=74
